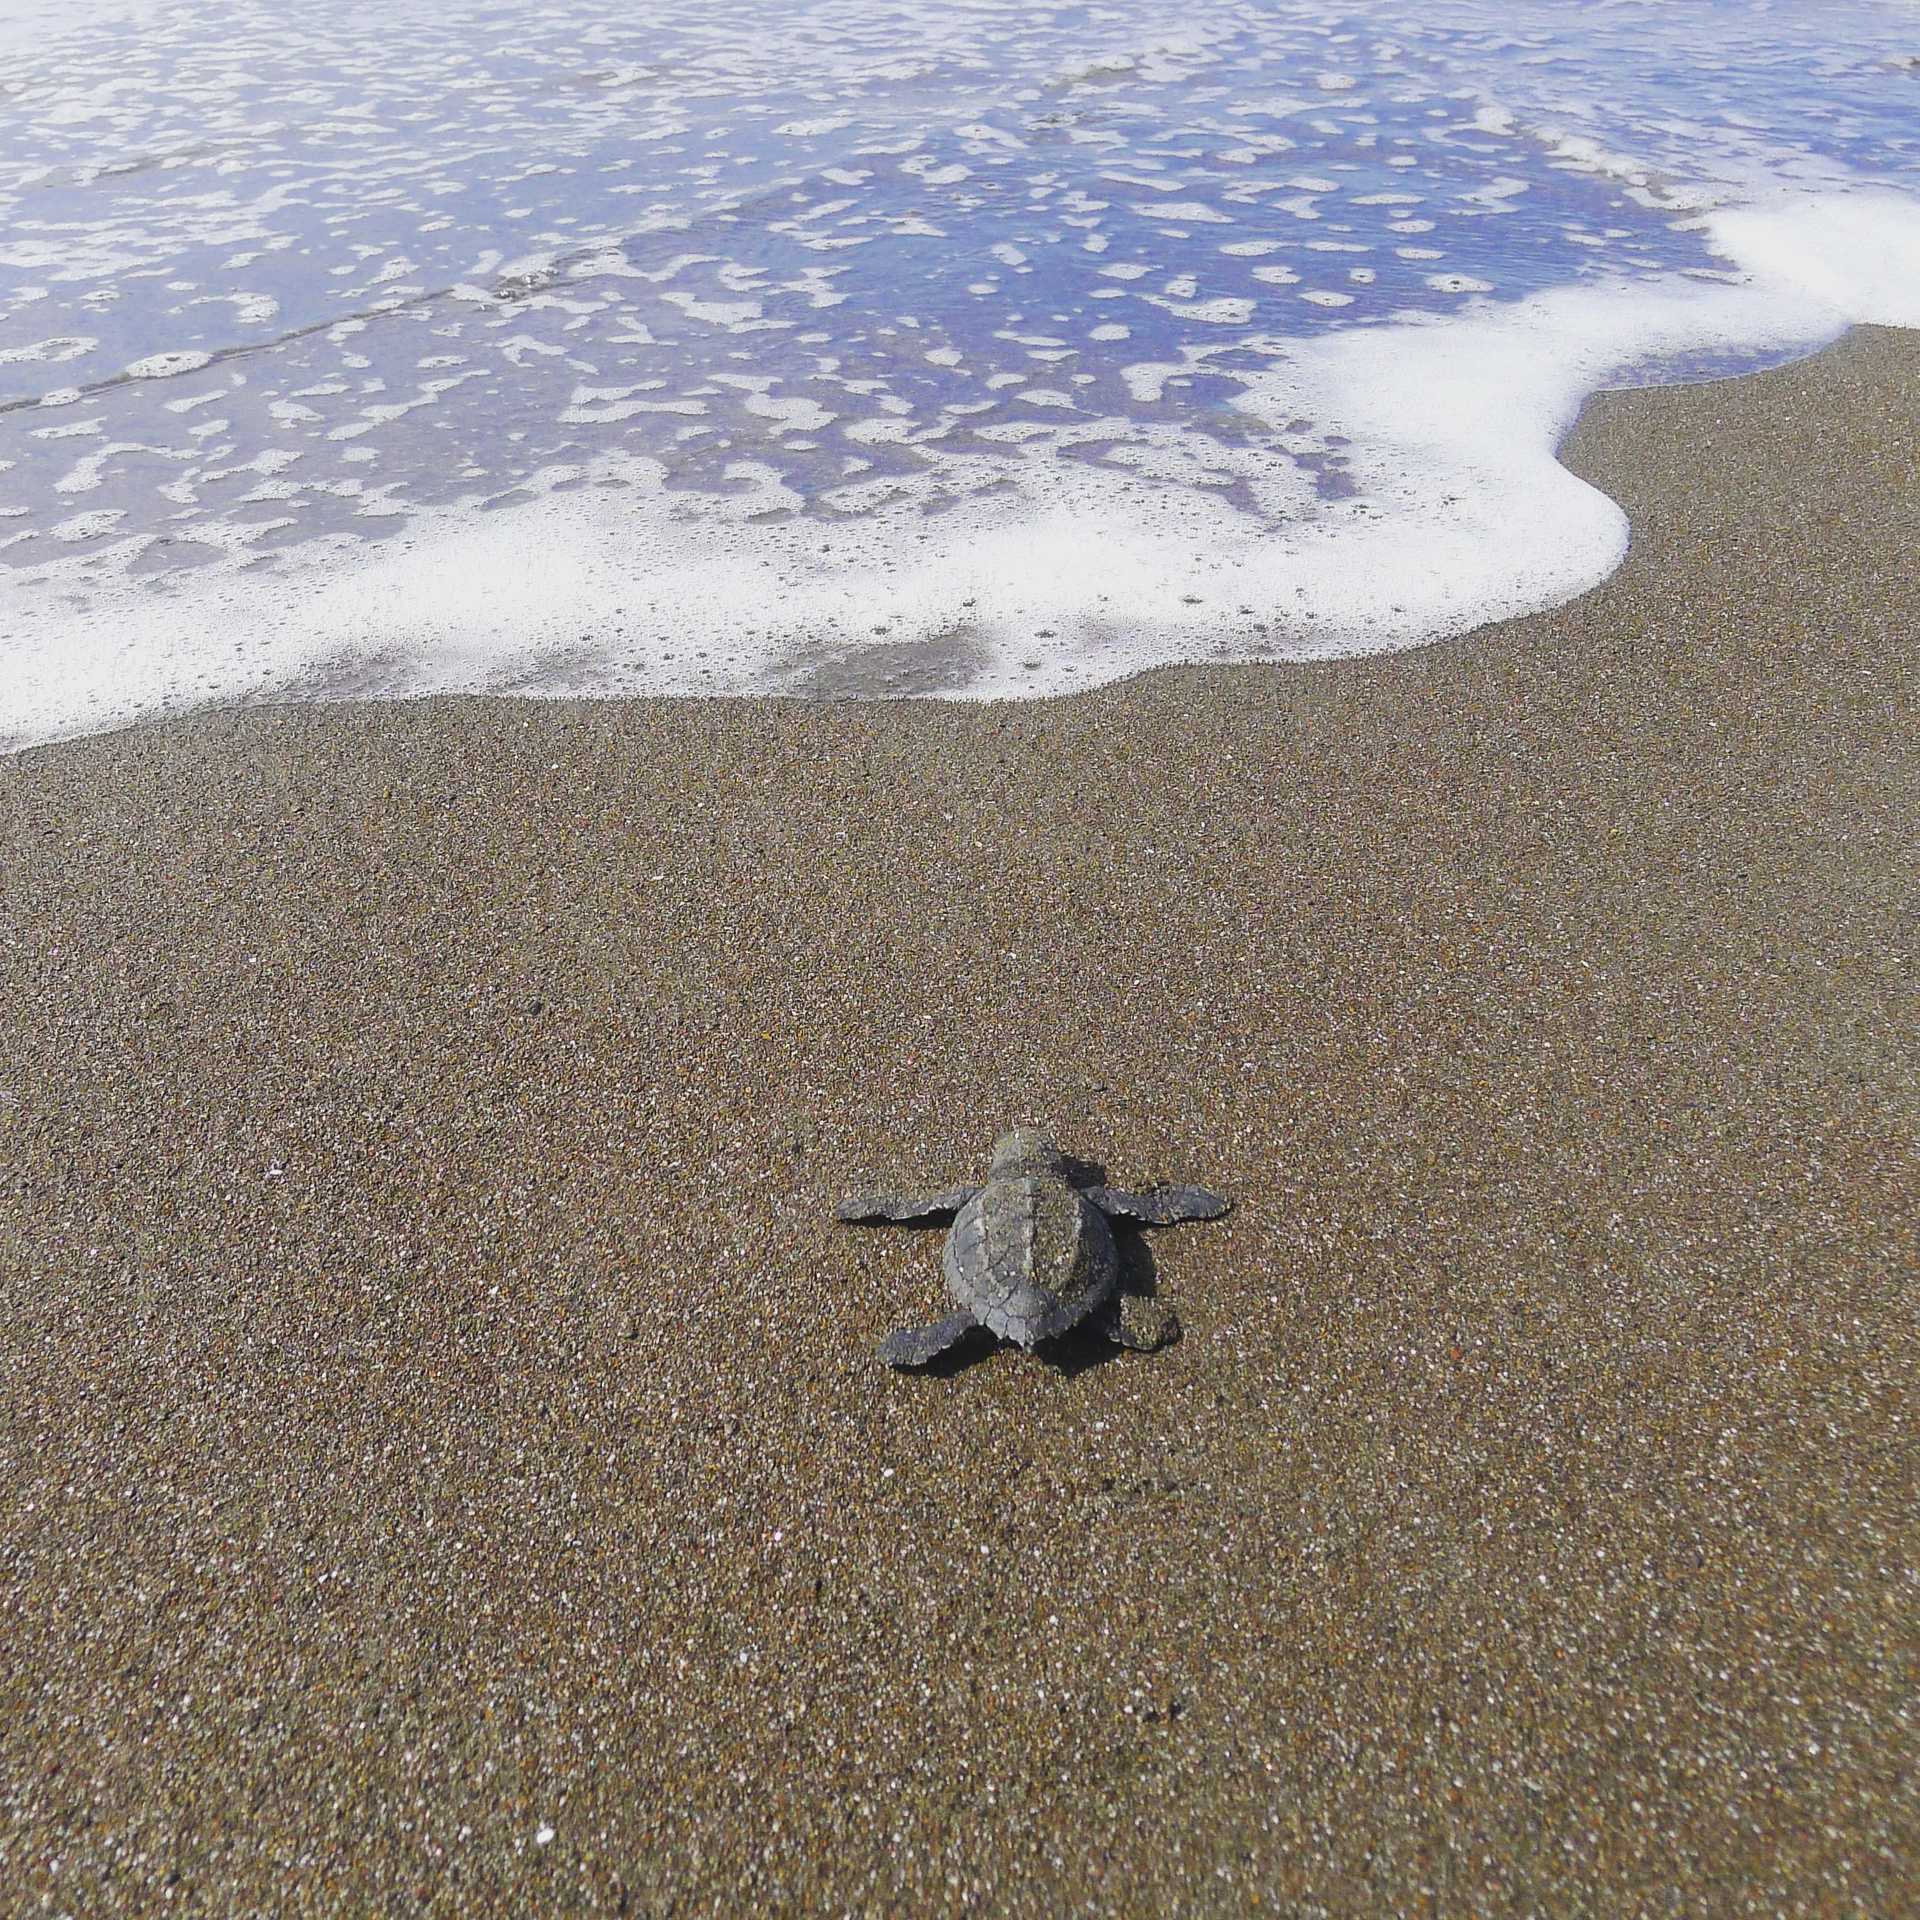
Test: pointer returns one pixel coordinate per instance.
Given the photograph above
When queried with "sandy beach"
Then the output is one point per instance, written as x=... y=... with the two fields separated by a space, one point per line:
x=444 y=1467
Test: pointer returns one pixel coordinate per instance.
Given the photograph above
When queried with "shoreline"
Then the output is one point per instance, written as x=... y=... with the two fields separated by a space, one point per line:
x=441 y=1411
x=1439 y=436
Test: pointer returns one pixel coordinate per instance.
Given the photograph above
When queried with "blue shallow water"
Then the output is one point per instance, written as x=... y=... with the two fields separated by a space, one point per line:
x=268 y=275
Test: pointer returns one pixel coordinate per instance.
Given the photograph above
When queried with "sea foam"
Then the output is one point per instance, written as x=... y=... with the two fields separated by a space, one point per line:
x=997 y=369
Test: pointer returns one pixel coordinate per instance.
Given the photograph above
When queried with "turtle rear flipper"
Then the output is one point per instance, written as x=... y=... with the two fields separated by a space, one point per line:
x=1143 y=1326
x=915 y=1346
x=1163 y=1207
x=865 y=1207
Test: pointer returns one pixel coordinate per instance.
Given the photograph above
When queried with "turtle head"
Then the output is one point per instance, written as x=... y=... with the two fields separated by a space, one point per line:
x=1026 y=1150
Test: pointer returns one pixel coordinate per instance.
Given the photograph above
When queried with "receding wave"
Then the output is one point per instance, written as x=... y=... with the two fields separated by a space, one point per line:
x=849 y=347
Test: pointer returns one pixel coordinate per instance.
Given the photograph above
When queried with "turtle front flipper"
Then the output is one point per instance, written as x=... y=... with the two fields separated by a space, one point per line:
x=867 y=1207
x=915 y=1346
x=1163 y=1207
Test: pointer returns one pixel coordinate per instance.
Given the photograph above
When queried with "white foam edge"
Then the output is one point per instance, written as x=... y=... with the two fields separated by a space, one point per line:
x=1465 y=517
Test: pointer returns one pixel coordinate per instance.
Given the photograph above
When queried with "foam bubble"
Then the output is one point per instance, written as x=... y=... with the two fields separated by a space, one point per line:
x=163 y=366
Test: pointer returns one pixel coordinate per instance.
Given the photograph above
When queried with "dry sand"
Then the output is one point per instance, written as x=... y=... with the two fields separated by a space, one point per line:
x=443 y=1460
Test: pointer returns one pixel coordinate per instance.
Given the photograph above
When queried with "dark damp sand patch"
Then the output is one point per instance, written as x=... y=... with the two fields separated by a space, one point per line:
x=439 y=1411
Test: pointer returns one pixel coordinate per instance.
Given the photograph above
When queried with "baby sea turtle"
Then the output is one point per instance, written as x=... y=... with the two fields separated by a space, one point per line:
x=1030 y=1253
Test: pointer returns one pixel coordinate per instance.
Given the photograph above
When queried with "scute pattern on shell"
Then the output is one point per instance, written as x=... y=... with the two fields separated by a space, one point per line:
x=1029 y=1257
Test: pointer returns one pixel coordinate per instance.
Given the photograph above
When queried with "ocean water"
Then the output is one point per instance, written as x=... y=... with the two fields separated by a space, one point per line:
x=872 y=346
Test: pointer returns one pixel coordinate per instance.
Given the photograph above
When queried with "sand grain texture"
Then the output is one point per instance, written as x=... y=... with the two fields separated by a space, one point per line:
x=439 y=1411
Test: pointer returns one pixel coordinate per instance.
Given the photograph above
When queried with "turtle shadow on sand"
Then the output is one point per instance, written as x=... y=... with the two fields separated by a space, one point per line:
x=1032 y=1257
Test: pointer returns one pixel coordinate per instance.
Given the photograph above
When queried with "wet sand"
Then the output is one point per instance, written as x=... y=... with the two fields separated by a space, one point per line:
x=443 y=1462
